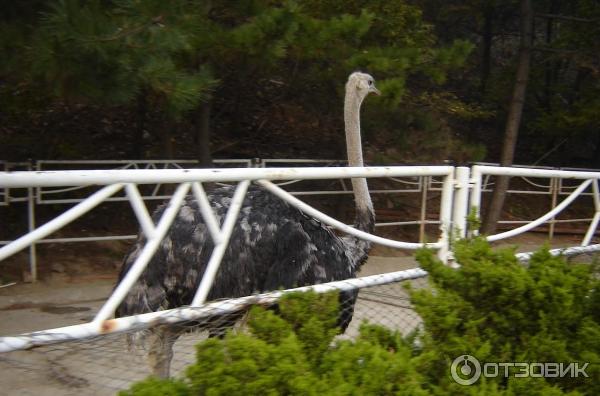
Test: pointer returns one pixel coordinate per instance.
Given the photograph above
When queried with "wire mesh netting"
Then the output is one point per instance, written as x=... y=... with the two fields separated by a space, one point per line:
x=106 y=364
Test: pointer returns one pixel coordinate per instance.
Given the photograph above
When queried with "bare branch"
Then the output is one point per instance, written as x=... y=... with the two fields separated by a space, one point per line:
x=566 y=18
x=557 y=50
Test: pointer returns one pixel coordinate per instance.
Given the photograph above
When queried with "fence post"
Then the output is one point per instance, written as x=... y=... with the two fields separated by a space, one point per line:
x=554 y=189
x=31 y=202
x=594 y=224
x=31 y=228
x=446 y=217
x=461 y=202
x=475 y=201
x=423 y=218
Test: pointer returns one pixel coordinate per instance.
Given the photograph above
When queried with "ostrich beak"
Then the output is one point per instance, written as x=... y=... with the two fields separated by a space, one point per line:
x=375 y=90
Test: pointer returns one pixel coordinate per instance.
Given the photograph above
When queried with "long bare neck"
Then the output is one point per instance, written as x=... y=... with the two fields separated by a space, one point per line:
x=365 y=215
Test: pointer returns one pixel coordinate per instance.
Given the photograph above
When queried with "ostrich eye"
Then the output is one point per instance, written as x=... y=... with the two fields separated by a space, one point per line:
x=370 y=82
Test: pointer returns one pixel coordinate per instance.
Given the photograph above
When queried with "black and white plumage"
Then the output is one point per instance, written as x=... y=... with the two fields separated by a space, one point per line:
x=273 y=246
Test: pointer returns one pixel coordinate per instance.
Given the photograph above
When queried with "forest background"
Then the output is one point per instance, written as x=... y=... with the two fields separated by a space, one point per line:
x=513 y=81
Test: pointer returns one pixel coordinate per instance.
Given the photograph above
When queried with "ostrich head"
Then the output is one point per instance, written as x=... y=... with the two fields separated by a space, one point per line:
x=361 y=84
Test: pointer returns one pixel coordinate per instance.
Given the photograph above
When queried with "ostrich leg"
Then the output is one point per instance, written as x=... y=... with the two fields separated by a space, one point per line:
x=161 y=350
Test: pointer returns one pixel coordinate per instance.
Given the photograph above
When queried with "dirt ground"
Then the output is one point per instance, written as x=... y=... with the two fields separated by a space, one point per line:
x=65 y=297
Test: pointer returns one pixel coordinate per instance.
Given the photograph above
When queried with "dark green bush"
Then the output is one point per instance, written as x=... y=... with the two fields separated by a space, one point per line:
x=292 y=353
x=499 y=310
x=492 y=308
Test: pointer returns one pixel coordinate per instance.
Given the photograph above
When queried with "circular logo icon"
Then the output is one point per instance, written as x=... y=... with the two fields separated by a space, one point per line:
x=465 y=370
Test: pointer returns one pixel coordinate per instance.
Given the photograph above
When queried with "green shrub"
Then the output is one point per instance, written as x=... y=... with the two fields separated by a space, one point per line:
x=154 y=386
x=499 y=310
x=492 y=308
x=292 y=353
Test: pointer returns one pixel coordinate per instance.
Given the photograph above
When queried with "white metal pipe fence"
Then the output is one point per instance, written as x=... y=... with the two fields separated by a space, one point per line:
x=583 y=180
x=458 y=183
x=92 y=354
x=115 y=180
x=35 y=197
x=191 y=313
x=553 y=186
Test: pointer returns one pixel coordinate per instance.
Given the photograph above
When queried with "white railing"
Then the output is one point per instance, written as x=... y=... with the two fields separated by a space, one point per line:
x=554 y=187
x=35 y=197
x=584 y=180
x=54 y=195
x=461 y=189
x=190 y=180
x=191 y=313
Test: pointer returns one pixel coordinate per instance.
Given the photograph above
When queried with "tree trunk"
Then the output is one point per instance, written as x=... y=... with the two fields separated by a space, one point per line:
x=202 y=126
x=514 y=117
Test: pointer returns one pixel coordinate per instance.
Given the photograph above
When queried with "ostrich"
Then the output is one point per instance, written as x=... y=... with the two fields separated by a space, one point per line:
x=273 y=245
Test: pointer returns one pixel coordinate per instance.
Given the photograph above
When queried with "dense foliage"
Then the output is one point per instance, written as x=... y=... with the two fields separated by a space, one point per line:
x=561 y=102
x=260 y=66
x=290 y=354
x=492 y=307
x=265 y=77
x=498 y=310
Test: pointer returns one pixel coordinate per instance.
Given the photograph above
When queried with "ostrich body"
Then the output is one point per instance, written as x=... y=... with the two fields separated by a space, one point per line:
x=273 y=245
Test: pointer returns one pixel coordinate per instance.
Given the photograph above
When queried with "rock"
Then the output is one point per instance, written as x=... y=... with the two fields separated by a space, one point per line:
x=27 y=278
x=58 y=267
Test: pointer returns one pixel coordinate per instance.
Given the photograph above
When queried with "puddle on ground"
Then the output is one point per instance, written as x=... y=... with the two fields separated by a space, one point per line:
x=65 y=309
x=48 y=308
